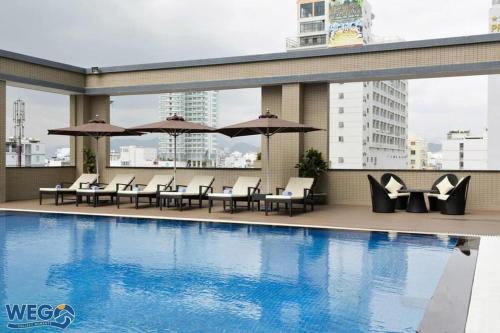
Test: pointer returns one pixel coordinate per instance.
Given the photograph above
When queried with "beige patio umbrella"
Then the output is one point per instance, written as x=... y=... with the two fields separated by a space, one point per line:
x=96 y=129
x=267 y=124
x=174 y=126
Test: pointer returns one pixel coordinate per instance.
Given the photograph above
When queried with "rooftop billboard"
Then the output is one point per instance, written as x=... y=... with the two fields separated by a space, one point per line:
x=346 y=22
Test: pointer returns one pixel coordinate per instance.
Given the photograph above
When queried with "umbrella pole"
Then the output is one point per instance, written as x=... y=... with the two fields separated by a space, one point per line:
x=175 y=161
x=97 y=158
x=267 y=169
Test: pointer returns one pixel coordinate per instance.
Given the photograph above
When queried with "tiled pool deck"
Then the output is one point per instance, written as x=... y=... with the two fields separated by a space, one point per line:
x=344 y=217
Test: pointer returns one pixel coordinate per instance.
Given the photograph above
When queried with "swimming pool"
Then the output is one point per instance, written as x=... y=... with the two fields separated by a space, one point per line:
x=136 y=275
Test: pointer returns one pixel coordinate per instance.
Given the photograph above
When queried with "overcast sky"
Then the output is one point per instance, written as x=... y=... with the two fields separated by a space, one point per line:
x=113 y=32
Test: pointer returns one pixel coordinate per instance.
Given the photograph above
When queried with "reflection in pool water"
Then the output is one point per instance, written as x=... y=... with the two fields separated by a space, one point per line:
x=145 y=275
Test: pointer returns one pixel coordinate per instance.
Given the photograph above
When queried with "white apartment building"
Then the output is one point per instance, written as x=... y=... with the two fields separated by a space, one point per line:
x=133 y=156
x=417 y=153
x=463 y=151
x=32 y=155
x=494 y=98
x=196 y=150
x=368 y=120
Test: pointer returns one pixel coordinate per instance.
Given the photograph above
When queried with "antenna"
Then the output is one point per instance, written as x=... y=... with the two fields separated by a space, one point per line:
x=19 y=118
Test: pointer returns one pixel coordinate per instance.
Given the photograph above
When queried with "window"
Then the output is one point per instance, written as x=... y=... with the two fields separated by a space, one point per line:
x=341 y=124
x=341 y=95
x=413 y=152
x=306 y=10
x=341 y=160
x=312 y=26
x=341 y=110
x=319 y=8
x=341 y=139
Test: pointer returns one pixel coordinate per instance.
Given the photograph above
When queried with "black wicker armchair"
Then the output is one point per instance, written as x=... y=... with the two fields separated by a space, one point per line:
x=433 y=197
x=457 y=199
x=381 y=202
x=401 y=201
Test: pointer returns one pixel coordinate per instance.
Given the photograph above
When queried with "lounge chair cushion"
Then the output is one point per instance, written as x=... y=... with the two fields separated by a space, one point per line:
x=445 y=186
x=158 y=180
x=393 y=186
x=137 y=192
x=111 y=187
x=86 y=178
x=193 y=188
x=295 y=186
x=60 y=190
x=240 y=188
x=151 y=187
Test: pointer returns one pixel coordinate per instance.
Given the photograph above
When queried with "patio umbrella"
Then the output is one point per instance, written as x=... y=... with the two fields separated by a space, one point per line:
x=96 y=129
x=173 y=126
x=267 y=124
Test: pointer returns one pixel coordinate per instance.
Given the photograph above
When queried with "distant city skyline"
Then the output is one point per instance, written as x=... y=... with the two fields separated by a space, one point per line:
x=156 y=26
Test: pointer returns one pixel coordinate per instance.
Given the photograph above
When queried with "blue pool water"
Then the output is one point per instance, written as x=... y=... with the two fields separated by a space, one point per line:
x=134 y=275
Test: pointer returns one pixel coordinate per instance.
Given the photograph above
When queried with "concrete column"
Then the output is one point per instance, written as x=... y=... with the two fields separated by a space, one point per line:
x=3 y=111
x=285 y=102
x=307 y=104
x=83 y=109
x=316 y=113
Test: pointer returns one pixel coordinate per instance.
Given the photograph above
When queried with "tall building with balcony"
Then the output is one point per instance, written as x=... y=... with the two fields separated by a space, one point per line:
x=193 y=150
x=368 y=120
x=494 y=98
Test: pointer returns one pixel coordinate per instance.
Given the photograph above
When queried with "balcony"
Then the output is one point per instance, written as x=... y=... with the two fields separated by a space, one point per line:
x=307 y=42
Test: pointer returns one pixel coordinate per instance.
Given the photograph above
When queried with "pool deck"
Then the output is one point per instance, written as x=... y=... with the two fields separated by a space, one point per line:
x=474 y=223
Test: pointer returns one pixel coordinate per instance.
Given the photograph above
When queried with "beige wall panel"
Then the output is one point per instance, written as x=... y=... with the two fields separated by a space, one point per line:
x=38 y=72
x=446 y=55
x=23 y=183
x=352 y=188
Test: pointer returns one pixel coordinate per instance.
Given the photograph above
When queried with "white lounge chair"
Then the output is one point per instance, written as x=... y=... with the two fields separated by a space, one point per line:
x=243 y=190
x=119 y=182
x=84 y=181
x=197 y=189
x=156 y=185
x=298 y=190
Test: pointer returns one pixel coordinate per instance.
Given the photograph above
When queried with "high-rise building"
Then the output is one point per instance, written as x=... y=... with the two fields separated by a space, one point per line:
x=368 y=120
x=463 y=151
x=494 y=98
x=193 y=150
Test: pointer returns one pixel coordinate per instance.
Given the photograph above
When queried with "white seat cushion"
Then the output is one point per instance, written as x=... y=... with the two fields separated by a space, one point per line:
x=226 y=195
x=60 y=190
x=136 y=192
x=91 y=191
x=445 y=186
x=152 y=186
x=443 y=197
x=240 y=188
x=282 y=197
x=296 y=186
x=393 y=186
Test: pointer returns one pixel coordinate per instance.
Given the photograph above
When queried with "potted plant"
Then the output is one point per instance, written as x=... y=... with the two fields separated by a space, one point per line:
x=313 y=165
x=89 y=162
